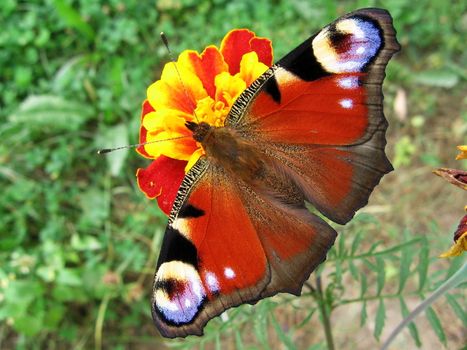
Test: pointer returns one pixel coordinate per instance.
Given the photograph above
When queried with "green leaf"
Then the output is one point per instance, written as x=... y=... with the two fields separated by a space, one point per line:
x=356 y=243
x=238 y=340
x=23 y=292
x=458 y=310
x=95 y=207
x=306 y=319
x=437 y=78
x=412 y=327
x=112 y=137
x=72 y=18
x=69 y=277
x=363 y=285
x=424 y=261
x=354 y=271
x=282 y=336
x=85 y=243
x=380 y=274
x=436 y=324
x=341 y=247
x=380 y=319
x=51 y=114
x=29 y=325
x=260 y=324
x=363 y=314
x=406 y=259
x=54 y=315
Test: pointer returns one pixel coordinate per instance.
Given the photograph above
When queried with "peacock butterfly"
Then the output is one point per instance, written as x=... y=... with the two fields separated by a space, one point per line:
x=311 y=128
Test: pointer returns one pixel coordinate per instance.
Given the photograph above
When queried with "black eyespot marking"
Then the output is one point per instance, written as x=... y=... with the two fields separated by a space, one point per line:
x=303 y=63
x=190 y=211
x=171 y=286
x=176 y=247
x=272 y=89
x=341 y=42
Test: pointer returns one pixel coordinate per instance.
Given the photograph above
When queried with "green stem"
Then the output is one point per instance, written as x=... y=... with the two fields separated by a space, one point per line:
x=325 y=314
x=100 y=322
x=456 y=279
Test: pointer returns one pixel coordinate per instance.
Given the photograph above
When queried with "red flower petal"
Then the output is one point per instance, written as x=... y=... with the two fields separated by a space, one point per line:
x=263 y=49
x=241 y=41
x=206 y=66
x=146 y=108
x=161 y=180
x=461 y=228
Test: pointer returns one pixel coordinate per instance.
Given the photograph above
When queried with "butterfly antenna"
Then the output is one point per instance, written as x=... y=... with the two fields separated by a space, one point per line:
x=172 y=59
x=108 y=150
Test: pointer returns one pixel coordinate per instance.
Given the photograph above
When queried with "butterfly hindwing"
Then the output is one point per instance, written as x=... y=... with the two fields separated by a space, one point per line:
x=319 y=112
x=226 y=245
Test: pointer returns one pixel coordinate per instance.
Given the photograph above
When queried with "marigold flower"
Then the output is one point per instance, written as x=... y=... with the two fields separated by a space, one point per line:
x=203 y=90
x=460 y=240
x=459 y=179
x=455 y=176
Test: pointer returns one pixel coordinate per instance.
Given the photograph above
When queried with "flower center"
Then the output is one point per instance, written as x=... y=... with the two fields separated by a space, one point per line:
x=211 y=111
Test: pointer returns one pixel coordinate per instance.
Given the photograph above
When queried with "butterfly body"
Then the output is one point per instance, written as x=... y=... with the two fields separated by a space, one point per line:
x=310 y=129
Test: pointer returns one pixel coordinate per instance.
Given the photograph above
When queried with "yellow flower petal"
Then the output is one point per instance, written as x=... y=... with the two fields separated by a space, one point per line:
x=166 y=120
x=194 y=158
x=228 y=88
x=251 y=68
x=458 y=248
x=170 y=145
x=463 y=154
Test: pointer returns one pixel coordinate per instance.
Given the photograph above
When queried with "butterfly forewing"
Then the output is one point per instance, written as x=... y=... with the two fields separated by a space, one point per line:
x=319 y=112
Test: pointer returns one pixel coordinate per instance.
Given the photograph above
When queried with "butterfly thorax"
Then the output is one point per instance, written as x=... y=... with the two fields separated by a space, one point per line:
x=226 y=148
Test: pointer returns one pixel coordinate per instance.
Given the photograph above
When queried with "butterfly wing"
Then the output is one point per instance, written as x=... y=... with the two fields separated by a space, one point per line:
x=226 y=245
x=319 y=112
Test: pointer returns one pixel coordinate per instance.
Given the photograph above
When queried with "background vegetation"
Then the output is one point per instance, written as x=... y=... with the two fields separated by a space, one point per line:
x=79 y=240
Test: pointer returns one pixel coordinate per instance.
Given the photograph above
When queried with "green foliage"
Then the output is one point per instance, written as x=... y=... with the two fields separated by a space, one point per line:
x=78 y=241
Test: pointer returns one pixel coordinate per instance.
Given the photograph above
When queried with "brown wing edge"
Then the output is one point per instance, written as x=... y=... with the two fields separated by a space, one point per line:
x=372 y=146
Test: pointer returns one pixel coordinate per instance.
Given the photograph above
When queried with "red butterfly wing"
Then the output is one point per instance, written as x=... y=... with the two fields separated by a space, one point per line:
x=316 y=119
x=319 y=112
x=226 y=245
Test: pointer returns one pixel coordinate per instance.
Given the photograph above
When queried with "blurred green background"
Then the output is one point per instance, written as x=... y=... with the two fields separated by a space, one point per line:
x=79 y=241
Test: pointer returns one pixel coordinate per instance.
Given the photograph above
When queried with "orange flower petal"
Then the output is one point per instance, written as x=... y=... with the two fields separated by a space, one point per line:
x=161 y=180
x=174 y=91
x=241 y=41
x=206 y=66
